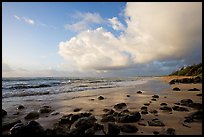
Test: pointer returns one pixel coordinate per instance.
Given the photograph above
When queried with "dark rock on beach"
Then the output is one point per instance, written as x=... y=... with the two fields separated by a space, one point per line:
x=153 y=99
x=20 y=107
x=186 y=101
x=176 y=89
x=155 y=96
x=172 y=82
x=163 y=104
x=113 y=129
x=166 y=108
x=200 y=94
x=169 y=131
x=4 y=113
x=153 y=111
x=155 y=122
x=8 y=125
x=143 y=108
x=129 y=118
x=129 y=129
x=144 y=112
x=120 y=106
x=45 y=109
x=155 y=132
x=196 y=116
x=193 y=89
x=139 y=92
x=146 y=104
x=108 y=118
x=32 y=115
x=32 y=128
x=177 y=108
x=77 y=109
x=100 y=98
x=128 y=95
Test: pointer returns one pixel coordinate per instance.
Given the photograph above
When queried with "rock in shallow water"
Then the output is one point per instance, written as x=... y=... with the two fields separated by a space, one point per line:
x=31 y=115
x=155 y=96
x=45 y=109
x=20 y=107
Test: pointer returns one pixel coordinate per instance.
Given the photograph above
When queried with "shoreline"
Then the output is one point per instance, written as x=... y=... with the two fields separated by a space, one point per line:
x=66 y=103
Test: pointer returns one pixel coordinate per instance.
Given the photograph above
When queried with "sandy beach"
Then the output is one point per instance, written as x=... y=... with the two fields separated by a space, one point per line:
x=87 y=101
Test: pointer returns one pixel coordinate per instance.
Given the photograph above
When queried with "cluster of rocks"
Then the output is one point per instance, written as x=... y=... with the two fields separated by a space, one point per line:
x=197 y=79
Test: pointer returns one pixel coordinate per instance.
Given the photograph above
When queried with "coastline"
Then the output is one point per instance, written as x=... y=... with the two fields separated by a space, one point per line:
x=65 y=104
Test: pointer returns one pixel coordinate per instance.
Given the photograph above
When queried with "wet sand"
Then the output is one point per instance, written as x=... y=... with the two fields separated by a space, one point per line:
x=87 y=100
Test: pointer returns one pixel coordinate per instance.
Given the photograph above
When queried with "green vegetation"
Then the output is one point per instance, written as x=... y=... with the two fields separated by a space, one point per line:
x=193 y=70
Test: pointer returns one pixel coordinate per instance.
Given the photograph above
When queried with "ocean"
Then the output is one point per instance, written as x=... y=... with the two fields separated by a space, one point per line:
x=20 y=87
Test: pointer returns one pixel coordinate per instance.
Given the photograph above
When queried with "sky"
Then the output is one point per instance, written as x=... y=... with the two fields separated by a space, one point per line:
x=99 y=39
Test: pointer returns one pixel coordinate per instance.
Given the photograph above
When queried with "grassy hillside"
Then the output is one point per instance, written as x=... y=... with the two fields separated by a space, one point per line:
x=193 y=70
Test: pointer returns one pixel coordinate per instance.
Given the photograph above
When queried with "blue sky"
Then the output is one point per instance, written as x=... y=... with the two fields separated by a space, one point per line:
x=87 y=38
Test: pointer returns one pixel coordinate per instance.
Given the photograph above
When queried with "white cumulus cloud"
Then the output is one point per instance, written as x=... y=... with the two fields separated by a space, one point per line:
x=116 y=24
x=155 y=32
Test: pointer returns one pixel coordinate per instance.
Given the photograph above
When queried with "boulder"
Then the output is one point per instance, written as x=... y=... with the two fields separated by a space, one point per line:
x=90 y=131
x=155 y=132
x=129 y=118
x=155 y=96
x=113 y=129
x=100 y=98
x=129 y=128
x=30 y=129
x=144 y=112
x=197 y=79
x=108 y=118
x=166 y=108
x=77 y=109
x=163 y=104
x=155 y=122
x=153 y=111
x=128 y=95
x=172 y=82
x=177 y=108
x=200 y=94
x=4 y=113
x=193 y=89
x=153 y=99
x=45 y=109
x=120 y=106
x=139 y=92
x=143 y=108
x=32 y=115
x=20 y=107
x=176 y=89
x=195 y=105
x=146 y=104
x=170 y=131
x=186 y=101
